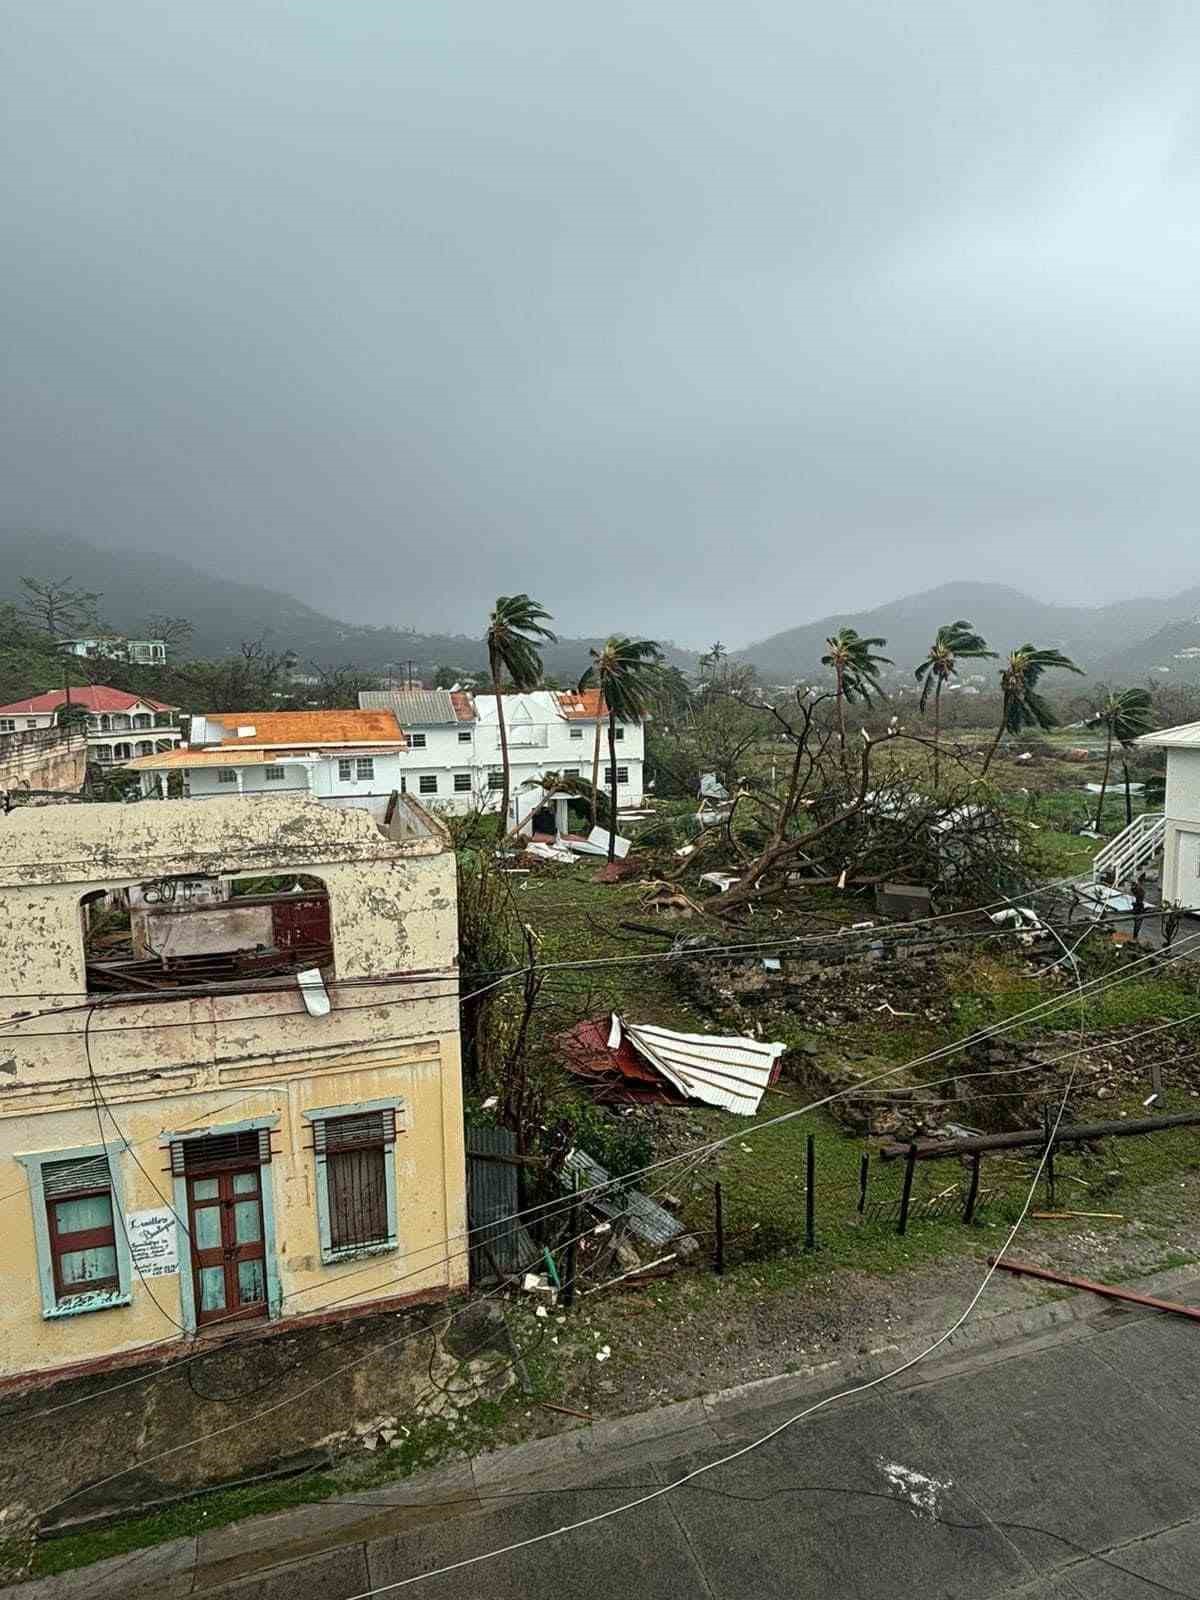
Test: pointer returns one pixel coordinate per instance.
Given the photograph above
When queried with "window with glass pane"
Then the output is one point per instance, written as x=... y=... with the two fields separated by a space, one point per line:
x=80 y=1226
x=429 y=783
x=365 y=767
x=345 y=771
x=462 y=782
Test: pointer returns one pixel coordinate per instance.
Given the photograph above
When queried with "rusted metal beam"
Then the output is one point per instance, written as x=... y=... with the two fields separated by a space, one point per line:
x=1068 y=1133
x=1110 y=1291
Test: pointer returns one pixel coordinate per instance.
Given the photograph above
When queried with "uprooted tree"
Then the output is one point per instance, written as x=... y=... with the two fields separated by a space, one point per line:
x=832 y=821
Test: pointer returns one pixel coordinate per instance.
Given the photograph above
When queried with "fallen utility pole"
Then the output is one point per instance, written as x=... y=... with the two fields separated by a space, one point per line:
x=1062 y=1280
x=1068 y=1133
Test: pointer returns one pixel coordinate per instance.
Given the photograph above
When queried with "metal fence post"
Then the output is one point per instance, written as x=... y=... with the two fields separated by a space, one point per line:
x=973 y=1190
x=864 y=1173
x=910 y=1166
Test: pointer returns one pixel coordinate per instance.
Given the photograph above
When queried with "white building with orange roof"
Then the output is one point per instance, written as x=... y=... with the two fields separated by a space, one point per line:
x=346 y=758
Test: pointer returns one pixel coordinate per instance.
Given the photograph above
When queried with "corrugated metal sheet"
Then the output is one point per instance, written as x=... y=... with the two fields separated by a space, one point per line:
x=730 y=1072
x=492 y=1197
x=412 y=708
x=645 y=1219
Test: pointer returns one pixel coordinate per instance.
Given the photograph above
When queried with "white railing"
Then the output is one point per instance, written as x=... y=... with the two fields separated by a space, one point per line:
x=1134 y=848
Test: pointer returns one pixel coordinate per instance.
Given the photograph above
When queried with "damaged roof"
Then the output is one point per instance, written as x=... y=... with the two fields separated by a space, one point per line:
x=171 y=838
x=420 y=708
x=242 y=729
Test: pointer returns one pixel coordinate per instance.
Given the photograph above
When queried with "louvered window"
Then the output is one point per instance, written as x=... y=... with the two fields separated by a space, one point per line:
x=221 y=1152
x=80 y=1227
x=356 y=1186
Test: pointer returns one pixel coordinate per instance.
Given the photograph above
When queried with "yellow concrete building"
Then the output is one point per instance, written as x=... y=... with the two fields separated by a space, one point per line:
x=265 y=1124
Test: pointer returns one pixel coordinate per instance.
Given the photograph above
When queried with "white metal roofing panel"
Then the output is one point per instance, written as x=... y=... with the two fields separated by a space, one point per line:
x=728 y=1071
x=1184 y=737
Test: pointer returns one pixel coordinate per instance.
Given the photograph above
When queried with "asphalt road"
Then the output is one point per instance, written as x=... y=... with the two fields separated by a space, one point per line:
x=1063 y=1469
x=1062 y=1465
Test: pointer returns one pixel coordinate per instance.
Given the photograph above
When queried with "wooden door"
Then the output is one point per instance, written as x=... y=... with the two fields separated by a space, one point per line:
x=229 y=1268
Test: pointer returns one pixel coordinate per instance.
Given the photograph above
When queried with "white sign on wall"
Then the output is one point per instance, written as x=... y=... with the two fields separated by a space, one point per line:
x=153 y=1243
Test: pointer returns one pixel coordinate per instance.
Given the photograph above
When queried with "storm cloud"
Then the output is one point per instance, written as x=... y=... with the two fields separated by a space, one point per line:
x=700 y=320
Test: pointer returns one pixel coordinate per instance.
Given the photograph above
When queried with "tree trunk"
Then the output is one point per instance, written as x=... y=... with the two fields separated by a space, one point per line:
x=937 y=732
x=995 y=746
x=494 y=662
x=1128 y=796
x=612 y=756
x=841 y=716
x=1104 y=779
x=596 y=770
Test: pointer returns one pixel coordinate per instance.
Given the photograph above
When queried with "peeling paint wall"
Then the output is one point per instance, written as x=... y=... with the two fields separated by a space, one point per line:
x=206 y=1061
x=43 y=759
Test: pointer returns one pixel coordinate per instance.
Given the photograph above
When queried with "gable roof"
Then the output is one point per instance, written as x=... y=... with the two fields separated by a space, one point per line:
x=287 y=728
x=93 y=697
x=419 y=708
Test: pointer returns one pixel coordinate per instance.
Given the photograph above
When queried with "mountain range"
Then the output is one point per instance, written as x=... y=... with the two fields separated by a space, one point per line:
x=1126 y=641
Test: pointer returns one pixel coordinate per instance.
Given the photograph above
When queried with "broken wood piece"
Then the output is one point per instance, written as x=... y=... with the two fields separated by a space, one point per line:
x=1109 y=1291
x=566 y=1411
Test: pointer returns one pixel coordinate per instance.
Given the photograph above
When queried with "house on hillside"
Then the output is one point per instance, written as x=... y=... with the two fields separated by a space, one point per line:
x=256 y=1114
x=120 y=726
x=116 y=647
x=345 y=758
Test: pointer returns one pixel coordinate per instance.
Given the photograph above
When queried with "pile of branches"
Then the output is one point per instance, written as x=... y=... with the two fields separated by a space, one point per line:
x=849 y=820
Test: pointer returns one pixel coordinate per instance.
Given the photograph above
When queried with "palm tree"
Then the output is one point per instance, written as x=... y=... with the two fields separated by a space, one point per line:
x=955 y=642
x=515 y=630
x=1021 y=705
x=1124 y=714
x=716 y=654
x=855 y=671
x=626 y=674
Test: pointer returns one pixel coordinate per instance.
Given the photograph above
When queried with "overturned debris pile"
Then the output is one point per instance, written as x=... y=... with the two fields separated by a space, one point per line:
x=635 y=1063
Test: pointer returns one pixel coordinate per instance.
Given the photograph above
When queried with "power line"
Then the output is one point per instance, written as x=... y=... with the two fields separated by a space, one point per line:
x=567 y=1202
x=734 y=1455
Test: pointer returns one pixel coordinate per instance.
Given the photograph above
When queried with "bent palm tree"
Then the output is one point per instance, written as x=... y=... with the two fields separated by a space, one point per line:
x=855 y=672
x=1021 y=706
x=955 y=642
x=1124 y=714
x=515 y=629
x=626 y=673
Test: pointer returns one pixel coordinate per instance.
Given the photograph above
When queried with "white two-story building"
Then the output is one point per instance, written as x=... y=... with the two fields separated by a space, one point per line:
x=347 y=758
x=120 y=726
x=453 y=758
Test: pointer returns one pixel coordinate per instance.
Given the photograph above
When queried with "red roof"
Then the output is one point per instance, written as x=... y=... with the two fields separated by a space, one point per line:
x=617 y=1076
x=93 y=697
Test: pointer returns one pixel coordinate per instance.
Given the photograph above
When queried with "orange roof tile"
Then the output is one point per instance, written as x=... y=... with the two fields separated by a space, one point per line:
x=580 y=704
x=308 y=728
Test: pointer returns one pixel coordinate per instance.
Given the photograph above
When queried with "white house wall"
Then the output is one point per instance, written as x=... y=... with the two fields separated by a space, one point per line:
x=1181 y=846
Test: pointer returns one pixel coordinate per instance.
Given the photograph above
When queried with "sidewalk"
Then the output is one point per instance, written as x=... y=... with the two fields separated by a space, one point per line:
x=333 y=1549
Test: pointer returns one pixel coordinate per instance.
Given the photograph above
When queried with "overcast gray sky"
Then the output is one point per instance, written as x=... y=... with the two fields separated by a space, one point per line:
x=696 y=319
